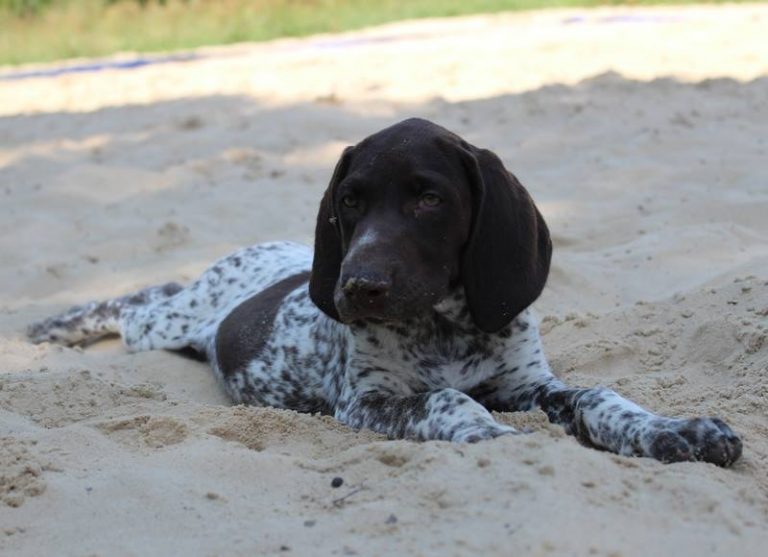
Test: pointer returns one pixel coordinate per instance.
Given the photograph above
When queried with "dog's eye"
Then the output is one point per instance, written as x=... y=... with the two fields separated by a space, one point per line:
x=349 y=201
x=431 y=200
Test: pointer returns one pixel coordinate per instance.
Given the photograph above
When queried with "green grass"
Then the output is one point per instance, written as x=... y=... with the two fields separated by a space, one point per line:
x=46 y=30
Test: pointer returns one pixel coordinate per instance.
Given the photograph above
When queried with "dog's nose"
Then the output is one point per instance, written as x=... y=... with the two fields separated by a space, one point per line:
x=365 y=289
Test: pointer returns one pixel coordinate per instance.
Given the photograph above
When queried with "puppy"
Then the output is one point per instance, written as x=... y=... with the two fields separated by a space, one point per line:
x=410 y=318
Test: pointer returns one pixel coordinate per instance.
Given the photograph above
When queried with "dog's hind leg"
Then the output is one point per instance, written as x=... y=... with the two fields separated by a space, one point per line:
x=94 y=320
x=171 y=317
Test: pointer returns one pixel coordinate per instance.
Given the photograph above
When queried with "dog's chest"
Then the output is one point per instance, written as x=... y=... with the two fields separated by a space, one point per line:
x=432 y=355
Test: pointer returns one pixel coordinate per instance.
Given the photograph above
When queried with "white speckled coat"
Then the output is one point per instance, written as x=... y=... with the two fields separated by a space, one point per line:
x=429 y=378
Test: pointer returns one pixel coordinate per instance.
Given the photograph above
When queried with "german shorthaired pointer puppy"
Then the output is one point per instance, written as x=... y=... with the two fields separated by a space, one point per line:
x=411 y=317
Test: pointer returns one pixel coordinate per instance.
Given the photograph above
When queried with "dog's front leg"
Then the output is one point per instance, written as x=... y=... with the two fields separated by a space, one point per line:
x=602 y=418
x=445 y=414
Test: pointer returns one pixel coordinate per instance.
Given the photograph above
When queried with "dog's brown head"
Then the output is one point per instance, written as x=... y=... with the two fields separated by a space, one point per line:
x=413 y=211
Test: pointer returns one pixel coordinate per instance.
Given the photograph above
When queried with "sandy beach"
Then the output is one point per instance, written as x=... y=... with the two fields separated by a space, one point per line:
x=642 y=134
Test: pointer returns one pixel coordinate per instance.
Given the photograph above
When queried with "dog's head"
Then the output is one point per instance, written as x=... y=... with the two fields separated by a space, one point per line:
x=413 y=211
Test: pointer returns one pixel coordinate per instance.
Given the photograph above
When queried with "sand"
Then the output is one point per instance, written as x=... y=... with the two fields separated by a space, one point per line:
x=643 y=136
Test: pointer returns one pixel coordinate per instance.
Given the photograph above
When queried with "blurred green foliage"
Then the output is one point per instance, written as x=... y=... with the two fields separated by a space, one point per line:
x=45 y=30
x=23 y=8
x=141 y=2
x=33 y=7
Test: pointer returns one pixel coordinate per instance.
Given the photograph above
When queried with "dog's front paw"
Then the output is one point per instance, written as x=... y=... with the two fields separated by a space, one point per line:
x=700 y=439
x=477 y=433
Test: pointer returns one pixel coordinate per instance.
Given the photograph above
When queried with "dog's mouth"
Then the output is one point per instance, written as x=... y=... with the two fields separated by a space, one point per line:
x=387 y=307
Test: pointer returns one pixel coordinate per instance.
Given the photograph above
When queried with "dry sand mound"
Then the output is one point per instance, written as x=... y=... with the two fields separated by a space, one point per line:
x=642 y=136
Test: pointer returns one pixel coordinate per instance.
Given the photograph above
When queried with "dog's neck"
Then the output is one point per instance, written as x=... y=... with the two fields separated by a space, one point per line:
x=454 y=308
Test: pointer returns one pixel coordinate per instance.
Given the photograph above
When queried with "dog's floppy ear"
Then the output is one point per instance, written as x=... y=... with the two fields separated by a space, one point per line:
x=506 y=260
x=326 y=264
